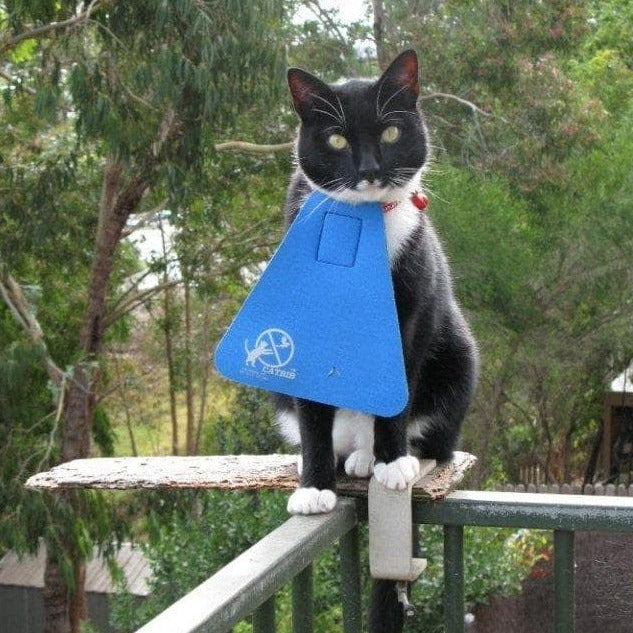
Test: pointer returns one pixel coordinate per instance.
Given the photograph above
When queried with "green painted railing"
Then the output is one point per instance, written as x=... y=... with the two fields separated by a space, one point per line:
x=248 y=584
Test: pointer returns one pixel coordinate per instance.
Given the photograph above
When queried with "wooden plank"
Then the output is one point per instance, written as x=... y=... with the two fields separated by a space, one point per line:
x=434 y=486
x=224 y=472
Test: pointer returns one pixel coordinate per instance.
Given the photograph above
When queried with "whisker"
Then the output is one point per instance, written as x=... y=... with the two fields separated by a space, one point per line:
x=328 y=114
x=405 y=170
x=341 y=110
x=339 y=115
x=385 y=119
x=329 y=183
x=396 y=93
x=382 y=83
x=316 y=208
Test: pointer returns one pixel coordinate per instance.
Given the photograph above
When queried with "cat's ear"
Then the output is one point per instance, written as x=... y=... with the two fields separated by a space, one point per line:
x=401 y=78
x=309 y=93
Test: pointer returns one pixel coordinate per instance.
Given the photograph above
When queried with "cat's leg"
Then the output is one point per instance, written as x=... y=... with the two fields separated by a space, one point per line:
x=394 y=468
x=318 y=477
x=353 y=439
x=447 y=383
x=287 y=422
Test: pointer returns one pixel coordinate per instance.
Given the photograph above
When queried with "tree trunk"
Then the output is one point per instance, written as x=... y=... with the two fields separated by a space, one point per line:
x=118 y=200
x=126 y=408
x=191 y=439
x=206 y=370
x=169 y=350
x=56 y=618
x=380 y=26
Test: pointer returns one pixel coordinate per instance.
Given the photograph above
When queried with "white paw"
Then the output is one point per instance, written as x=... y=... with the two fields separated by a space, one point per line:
x=360 y=464
x=311 y=501
x=299 y=464
x=398 y=474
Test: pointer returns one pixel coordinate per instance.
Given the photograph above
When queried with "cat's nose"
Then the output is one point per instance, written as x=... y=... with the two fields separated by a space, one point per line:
x=368 y=175
x=368 y=168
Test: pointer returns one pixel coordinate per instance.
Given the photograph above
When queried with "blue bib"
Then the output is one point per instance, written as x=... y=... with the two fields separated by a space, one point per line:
x=321 y=322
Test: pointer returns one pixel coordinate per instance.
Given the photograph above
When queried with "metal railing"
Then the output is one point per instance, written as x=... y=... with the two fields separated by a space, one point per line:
x=248 y=584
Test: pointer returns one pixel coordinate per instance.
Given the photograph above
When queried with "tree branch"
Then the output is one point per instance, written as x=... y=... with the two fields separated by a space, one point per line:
x=326 y=19
x=18 y=306
x=53 y=433
x=10 y=79
x=469 y=104
x=39 y=31
x=134 y=301
x=142 y=219
x=253 y=148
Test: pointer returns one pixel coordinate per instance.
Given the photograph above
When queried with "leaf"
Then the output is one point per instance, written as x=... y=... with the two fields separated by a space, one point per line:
x=23 y=52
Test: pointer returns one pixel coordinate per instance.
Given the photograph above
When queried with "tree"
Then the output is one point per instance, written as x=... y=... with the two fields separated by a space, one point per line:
x=530 y=117
x=147 y=86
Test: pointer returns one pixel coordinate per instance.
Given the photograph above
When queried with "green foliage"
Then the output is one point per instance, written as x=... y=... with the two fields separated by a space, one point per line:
x=102 y=432
x=322 y=44
x=611 y=23
x=190 y=537
x=24 y=432
x=489 y=241
x=145 y=86
x=192 y=60
x=247 y=427
x=496 y=561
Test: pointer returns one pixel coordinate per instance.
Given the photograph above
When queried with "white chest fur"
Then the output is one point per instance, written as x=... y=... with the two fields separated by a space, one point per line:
x=400 y=223
x=351 y=430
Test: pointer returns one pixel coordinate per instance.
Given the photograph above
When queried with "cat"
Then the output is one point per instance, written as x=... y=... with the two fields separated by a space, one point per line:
x=365 y=141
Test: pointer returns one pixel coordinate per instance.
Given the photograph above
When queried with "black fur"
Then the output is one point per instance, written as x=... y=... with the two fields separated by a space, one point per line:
x=440 y=354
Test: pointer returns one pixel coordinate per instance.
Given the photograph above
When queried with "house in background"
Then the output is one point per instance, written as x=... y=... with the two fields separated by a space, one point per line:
x=616 y=453
x=22 y=583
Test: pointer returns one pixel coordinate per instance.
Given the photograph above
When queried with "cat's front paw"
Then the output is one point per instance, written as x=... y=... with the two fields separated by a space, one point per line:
x=360 y=464
x=311 y=501
x=398 y=474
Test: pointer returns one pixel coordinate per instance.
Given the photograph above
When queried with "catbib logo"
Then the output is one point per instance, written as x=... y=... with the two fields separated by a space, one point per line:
x=273 y=350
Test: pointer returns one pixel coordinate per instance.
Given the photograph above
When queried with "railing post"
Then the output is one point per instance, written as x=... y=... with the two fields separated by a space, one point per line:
x=350 y=582
x=454 y=578
x=264 y=617
x=564 y=581
x=302 y=602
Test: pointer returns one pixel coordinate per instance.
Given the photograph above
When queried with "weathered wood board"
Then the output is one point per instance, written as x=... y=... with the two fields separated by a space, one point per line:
x=223 y=472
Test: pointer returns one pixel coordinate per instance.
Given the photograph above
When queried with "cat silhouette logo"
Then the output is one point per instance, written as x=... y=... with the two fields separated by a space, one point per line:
x=273 y=348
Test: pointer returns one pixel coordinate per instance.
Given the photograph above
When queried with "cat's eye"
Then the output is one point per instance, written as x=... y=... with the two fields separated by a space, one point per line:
x=390 y=134
x=337 y=141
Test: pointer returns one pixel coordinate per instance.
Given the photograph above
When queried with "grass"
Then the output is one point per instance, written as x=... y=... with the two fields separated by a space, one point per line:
x=143 y=398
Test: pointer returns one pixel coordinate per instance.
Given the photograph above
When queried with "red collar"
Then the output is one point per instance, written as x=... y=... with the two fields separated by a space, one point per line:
x=420 y=202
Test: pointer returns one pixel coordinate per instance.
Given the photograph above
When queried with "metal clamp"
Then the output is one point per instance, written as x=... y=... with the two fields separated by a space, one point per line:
x=391 y=536
x=402 y=589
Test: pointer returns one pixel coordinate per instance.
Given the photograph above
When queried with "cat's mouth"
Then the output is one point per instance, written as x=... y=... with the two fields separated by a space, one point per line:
x=374 y=191
x=378 y=190
x=363 y=191
x=367 y=186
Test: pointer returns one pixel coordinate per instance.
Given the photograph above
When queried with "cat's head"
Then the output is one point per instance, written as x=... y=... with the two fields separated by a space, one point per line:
x=361 y=140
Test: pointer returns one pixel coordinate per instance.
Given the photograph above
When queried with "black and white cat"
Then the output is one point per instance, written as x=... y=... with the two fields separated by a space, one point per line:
x=366 y=141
